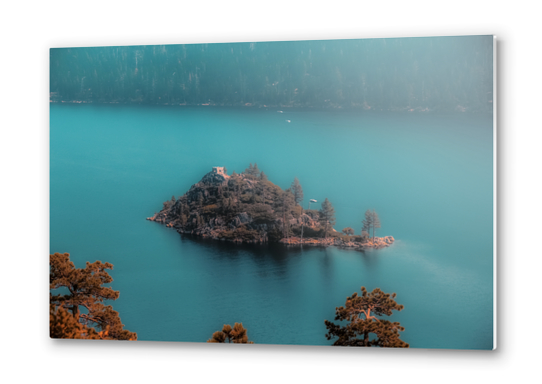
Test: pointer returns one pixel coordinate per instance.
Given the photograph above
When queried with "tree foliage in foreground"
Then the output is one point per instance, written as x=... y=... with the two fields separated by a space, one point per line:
x=62 y=325
x=364 y=328
x=236 y=335
x=80 y=312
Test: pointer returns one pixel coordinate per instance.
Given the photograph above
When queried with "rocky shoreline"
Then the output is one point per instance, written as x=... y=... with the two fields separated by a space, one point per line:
x=376 y=243
x=205 y=233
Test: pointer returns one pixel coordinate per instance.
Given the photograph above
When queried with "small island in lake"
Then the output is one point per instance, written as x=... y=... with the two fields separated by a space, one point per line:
x=248 y=208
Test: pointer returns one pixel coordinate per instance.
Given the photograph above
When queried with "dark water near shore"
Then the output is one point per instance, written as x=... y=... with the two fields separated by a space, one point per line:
x=428 y=176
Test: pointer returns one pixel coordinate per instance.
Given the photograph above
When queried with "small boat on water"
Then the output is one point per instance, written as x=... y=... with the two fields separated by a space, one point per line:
x=288 y=121
x=280 y=112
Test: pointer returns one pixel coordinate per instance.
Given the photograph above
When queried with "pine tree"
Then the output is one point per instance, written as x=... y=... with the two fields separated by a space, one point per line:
x=255 y=170
x=250 y=171
x=376 y=223
x=237 y=335
x=367 y=222
x=62 y=325
x=297 y=191
x=363 y=316
x=327 y=215
x=283 y=205
x=371 y=221
x=85 y=289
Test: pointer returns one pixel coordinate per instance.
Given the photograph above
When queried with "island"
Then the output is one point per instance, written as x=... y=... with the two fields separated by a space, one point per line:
x=248 y=208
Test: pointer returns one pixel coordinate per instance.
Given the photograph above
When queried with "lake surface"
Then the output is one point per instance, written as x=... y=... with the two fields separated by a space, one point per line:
x=429 y=177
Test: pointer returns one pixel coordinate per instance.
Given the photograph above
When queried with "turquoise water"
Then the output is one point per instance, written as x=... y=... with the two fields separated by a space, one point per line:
x=428 y=176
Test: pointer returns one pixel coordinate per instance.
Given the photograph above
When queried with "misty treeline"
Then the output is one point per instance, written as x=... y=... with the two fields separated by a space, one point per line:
x=438 y=73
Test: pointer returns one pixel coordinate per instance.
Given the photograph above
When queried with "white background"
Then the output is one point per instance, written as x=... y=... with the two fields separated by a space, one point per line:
x=29 y=29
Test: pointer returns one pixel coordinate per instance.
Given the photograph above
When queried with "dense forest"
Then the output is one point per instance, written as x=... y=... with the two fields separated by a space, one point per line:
x=433 y=73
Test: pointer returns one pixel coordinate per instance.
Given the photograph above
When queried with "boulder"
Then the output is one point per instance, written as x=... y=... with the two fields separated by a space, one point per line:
x=244 y=218
x=388 y=239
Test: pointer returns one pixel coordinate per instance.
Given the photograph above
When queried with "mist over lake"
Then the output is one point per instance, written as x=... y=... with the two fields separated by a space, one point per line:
x=428 y=175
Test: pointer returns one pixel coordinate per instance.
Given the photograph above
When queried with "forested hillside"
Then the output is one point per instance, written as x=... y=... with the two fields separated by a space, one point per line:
x=451 y=73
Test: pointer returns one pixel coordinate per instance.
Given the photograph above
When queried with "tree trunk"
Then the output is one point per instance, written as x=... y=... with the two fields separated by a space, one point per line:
x=302 y=225
x=75 y=312
x=284 y=224
x=366 y=339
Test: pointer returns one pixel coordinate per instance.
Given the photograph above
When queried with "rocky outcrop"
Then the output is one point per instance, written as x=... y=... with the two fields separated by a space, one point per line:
x=242 y=207
x=377 y=242
x=248 y=208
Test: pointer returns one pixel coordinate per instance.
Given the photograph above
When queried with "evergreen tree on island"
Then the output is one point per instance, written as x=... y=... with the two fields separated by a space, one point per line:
x=327 y=215
x=253 y=171
x=367 y=222
x=284 y=204
x=371 y=222
x=363 y=316
x=297 y=191
x=376 y=223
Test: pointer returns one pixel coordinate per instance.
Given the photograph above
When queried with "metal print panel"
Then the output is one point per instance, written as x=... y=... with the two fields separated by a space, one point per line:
x=331 y=193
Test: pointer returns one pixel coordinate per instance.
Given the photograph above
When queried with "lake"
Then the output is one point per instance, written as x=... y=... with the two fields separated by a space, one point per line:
x=428 y=176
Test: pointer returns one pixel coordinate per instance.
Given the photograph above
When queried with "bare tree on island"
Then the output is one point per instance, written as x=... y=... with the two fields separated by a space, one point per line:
x=327 y=215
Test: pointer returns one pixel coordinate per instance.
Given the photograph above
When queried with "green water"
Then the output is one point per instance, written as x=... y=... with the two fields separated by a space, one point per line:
x=429 y=177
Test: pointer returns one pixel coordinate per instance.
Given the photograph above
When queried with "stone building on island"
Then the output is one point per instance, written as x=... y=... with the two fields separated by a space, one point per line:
x=219 y=171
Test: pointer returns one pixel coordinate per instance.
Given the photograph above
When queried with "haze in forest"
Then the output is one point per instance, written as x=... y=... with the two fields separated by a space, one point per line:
x=396 y=74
